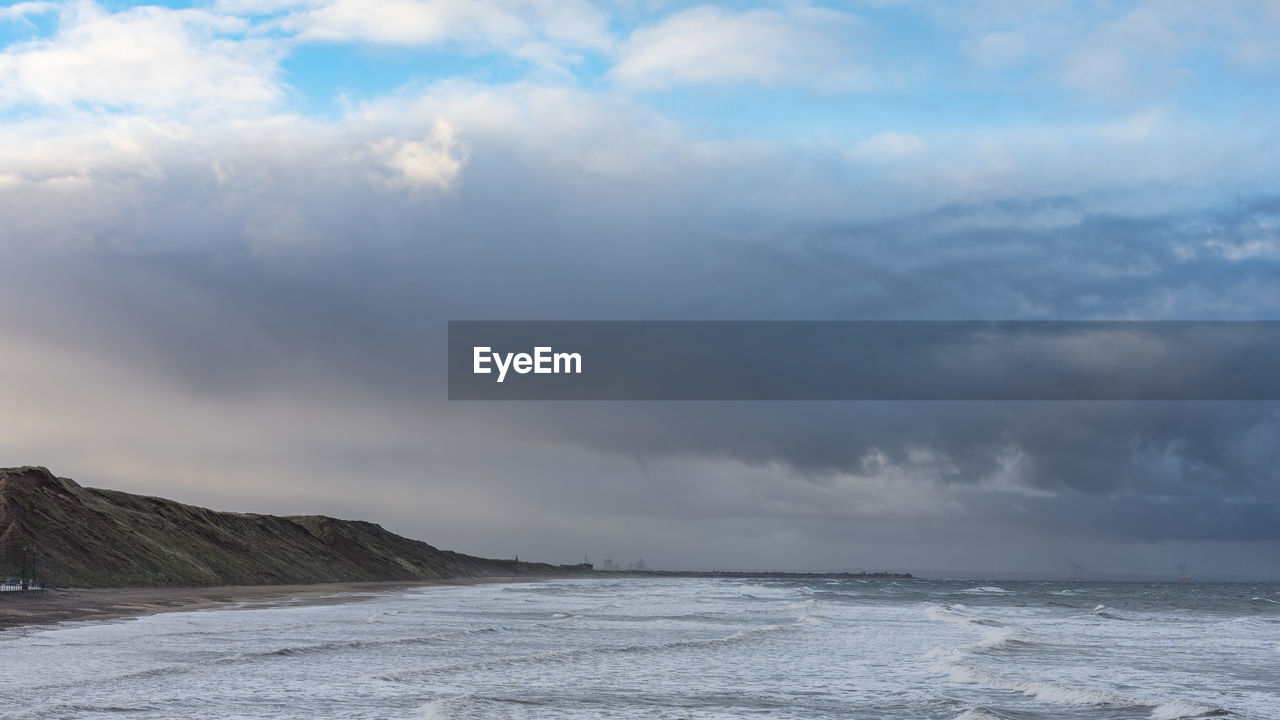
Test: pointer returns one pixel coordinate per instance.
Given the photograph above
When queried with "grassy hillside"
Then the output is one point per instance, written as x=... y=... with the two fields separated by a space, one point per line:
x=103 y=538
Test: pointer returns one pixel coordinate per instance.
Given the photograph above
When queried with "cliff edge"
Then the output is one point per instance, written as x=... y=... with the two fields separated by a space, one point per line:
x=88 y=537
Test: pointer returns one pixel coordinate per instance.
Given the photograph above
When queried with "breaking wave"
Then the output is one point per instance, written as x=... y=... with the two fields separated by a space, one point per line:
x=683 y=647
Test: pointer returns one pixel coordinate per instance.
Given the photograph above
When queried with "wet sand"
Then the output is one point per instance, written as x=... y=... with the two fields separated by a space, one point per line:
x=59 y=604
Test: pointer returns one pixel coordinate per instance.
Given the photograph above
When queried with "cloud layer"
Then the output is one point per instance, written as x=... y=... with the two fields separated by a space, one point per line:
x=225 y=281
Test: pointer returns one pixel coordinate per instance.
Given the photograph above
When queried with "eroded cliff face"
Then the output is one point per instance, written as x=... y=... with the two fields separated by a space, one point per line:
x=103 y=538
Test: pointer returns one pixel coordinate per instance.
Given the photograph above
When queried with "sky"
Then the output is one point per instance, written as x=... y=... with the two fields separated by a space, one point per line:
x=232 y=234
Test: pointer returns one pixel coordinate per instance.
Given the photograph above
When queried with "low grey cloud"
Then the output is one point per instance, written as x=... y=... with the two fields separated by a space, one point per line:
x=257 y=321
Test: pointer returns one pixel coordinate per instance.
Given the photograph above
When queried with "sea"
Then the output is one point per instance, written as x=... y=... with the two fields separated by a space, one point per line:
x=675 y=648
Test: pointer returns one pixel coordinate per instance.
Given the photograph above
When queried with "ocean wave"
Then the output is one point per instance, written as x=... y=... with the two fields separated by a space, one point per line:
x=1055 y=694
x=1043 y=691
x=940 y=651
x=576 y=653
x=1248 y=624
x=311 y=648
x=688 y=650
x=974 y=712
x=444 y=708
x=998 y=640
x=986 y=590
x=1103 y=611
x=589 y=614
x=955 y=614
x=1181 y=709
x=78 y=710
x=845 y=596
x=814 y=619
x=287 y=651
x=1005 y=638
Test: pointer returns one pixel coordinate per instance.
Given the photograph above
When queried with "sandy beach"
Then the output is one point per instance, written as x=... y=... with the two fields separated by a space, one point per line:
x=63 y=604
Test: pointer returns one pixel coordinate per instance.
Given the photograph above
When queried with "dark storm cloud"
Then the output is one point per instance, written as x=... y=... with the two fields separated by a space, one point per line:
x=1048 y=258
x=223 y=320
x=296 y=282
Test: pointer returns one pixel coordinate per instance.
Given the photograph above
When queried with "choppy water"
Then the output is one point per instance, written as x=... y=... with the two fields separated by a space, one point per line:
x=679 y=648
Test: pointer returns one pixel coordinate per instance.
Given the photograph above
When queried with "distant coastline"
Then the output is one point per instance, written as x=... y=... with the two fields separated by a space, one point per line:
x=767 y=574
x=92 y=538
x=76 y=537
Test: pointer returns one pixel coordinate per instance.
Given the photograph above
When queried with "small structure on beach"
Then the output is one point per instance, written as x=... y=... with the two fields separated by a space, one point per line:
x=21 y=585
x=26 y=581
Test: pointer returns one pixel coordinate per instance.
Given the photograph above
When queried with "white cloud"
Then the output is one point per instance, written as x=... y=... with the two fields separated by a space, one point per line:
x=1118 y=51
x=432 y=162
x=546 y=32
x=149 y=57
x=798 y=45
x=407 y=22
x=572 y=131
x=1250 y=249
x=999 y=49
x=23 y=9
x=67 y=177
x=890 y=144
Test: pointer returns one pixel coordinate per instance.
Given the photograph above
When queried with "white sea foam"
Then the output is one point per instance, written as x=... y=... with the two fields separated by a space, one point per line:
x=1182 y=709
x=445 y=708
x=1002 y=639
x=1048 y=692
x=579 y=649
x=945 y=613
x=940 y=651
x=976 y=713
x=1103 y=611
x=957 y=614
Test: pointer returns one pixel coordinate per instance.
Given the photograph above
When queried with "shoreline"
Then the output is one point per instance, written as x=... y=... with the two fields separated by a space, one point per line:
x=57 y=605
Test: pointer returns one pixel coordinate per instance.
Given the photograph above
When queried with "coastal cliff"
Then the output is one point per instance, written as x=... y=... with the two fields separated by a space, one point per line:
x=86 y=537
